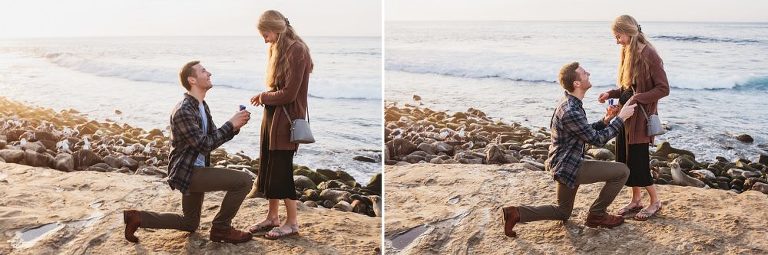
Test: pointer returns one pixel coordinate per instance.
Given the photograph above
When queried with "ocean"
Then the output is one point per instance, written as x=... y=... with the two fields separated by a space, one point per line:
x=139 y=77
x=718 y=73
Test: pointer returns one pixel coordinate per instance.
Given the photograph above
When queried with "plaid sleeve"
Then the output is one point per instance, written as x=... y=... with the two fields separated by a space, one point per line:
x=189 y=131
x=575 y=122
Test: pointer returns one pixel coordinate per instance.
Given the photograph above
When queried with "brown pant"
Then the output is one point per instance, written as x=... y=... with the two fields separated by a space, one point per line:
x=236 y=183
x=614 y=175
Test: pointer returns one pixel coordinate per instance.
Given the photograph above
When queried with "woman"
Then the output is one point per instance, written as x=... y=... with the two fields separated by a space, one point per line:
x=642 y=80
x=287 y=77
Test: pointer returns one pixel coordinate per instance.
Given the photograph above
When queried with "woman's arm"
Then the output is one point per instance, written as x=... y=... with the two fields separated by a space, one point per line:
x=658 y=76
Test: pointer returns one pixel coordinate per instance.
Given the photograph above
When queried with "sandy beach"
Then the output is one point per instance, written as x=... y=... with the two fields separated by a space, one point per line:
x=65 y=180
x=81 y=213
x=455 y=209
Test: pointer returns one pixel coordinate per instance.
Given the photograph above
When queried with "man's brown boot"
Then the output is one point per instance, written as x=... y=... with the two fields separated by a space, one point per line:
x=603 y=220
x=132 y=223
x=511 y=217
x=229 y=235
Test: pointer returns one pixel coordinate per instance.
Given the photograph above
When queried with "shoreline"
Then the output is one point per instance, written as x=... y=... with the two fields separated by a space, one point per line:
x=416 y=134
x=41 y=137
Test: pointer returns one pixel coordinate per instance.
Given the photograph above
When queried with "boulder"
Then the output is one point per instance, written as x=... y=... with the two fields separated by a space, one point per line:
x=303 y=182
x=129 y=162
x=33 y=158
x=374 y=185
x=64 y=162
x=745 y=138
x=312 y=175
x=12 y=156
x=601 y=154
x=85 y=158
x=364 y=159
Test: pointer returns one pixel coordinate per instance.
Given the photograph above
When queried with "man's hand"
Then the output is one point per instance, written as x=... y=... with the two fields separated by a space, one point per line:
x=611 y=112
x=240 y=119
x=603 y=96
x=627 y=111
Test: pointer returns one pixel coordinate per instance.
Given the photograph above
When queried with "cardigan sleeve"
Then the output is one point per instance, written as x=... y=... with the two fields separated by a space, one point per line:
x=658 y=76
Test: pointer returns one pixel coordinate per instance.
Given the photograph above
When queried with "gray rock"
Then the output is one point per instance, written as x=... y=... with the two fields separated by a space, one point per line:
x=343 y=206
x=364 y=159
x=759 y=186
x=303 y=182
x=312 y=175
x=685 y=162
x=444 y=147
x=329 y=174
x=704 y=174
x=12 y=156
x=745 y=138
x=601 y=154
x=374 y=185
x=64 y=162
x=32 y=158
x=85 y=158
x=34 y=146
x=494 y=155
x=129 y=162
x=310 y=203
x=335 y=196
x=113 y=161
x=735 y=172
x=426 y=147
x=100 y=167
x=763 y=159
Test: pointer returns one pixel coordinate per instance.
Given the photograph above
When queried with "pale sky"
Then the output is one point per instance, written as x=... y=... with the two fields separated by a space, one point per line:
x=76 y=18
x=578 y=10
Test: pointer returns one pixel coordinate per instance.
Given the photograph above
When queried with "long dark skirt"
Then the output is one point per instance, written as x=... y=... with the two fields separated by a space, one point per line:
x=637 y=158
x=276 y=166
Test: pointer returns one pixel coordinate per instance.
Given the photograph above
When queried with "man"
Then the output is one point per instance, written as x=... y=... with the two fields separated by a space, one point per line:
x=570 y=132
x=193 y=137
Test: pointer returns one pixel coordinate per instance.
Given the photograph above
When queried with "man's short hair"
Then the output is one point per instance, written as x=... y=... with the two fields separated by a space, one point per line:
x=568 y=75
x=186 y=72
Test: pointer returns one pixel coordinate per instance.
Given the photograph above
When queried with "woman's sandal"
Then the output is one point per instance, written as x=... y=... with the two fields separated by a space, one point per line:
x=277 y=233
x=644 y=214
x=261 y=227
x=628 y=209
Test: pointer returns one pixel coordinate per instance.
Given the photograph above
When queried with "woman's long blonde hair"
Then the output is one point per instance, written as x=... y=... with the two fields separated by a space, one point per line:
x=631 y=62
x=277 y=64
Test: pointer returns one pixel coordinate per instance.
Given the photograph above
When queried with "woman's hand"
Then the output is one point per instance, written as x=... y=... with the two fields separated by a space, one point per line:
x=604 y=96
x=256 y=100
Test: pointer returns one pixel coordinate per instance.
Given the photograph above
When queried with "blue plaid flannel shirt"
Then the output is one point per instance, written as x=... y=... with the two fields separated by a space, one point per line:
x=570 y=133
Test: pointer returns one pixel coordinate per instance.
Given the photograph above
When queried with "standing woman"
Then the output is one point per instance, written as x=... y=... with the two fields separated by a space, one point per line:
x=287 y=78
x=641 y=79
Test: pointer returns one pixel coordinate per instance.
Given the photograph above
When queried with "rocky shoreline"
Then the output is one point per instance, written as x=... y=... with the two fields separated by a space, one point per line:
x=68 y=141
x=421 y=135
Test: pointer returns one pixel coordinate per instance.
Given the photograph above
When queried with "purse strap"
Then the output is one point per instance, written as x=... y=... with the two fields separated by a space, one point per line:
x=641 y=106
x=289 y=116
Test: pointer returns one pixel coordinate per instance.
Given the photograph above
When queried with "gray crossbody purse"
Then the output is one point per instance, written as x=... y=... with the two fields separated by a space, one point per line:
x=654 y=123
x=300 y=132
